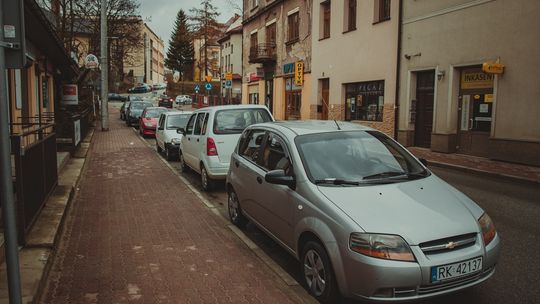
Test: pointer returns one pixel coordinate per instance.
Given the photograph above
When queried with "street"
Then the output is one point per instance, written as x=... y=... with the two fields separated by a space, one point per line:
x=514 y=207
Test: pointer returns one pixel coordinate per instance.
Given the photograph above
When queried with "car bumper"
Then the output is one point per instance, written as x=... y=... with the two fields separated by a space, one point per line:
x=148 y=131
x=216 y=169
x=380 y=280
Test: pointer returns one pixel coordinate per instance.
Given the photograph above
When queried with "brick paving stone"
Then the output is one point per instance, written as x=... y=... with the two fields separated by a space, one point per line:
x=136 y=234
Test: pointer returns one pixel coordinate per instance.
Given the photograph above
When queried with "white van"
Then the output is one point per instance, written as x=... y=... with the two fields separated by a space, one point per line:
x=211 y=135
x=167 y=139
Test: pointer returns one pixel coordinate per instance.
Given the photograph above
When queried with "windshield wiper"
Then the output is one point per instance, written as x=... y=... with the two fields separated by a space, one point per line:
x=336 y=181
x=385 y=174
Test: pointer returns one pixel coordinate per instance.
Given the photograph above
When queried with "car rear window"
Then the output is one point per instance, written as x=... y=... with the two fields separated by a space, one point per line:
x=236 y=120
x=177 y=121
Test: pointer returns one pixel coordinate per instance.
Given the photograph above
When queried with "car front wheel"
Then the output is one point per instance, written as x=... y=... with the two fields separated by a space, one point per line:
x=318 y=274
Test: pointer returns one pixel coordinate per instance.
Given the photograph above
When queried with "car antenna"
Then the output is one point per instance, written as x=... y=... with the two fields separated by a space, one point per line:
x=337 y=125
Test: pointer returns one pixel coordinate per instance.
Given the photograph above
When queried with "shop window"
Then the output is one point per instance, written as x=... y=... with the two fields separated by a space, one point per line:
x=382 y=10
x=293 y=22
x=325 y=17
x=293 y=100
x=350 y=15
x=254 y=98
x=364 y=101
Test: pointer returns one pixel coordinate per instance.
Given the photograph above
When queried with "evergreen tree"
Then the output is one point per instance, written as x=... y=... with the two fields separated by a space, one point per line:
x=180 y=53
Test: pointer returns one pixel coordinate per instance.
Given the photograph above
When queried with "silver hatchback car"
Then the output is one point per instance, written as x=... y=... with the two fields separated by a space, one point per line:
x=366 y=219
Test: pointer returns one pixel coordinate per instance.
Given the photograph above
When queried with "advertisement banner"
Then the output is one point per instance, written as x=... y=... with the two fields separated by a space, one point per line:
x=70 y=94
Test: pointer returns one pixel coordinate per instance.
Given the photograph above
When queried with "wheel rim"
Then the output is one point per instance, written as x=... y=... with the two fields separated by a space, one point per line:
x=167 y=153
x=182 y=162
x=204 y=178
x=233 y=206
x=314 y=272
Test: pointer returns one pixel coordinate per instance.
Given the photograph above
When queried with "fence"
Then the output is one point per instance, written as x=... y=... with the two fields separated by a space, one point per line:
x=202 y=101
x=72 y=127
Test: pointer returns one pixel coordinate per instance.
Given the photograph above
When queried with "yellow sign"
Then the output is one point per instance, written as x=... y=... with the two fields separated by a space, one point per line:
x=299 y=73
x=493 y=67
x=476 y=96
x=228 y=76
x=476 y=79
x=488 y=98
x=208 y=78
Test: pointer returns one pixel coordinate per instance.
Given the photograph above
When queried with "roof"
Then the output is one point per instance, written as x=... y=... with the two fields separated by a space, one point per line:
x=302 y=127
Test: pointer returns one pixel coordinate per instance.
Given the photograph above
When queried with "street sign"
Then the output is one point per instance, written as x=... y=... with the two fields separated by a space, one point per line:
x=70 y=94
x=208 y=78
x=208 y=86
x=197 y=88
x=14 y=34
x=228 y=84
x=493 y=67
x=299 y=73
x=228 y=76
x=91 y=62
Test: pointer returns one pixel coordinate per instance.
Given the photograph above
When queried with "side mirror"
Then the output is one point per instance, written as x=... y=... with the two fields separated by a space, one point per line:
x=160 y=129
x=181 y=131
x=423 y=161
x=278 y=177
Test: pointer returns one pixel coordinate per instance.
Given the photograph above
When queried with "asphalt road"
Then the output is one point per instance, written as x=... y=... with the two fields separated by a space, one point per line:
x=514 y=208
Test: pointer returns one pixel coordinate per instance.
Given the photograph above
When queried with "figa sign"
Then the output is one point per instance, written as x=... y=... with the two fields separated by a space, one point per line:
x=91 y=61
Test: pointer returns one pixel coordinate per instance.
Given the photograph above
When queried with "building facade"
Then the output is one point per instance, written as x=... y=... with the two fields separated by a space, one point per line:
x=208 y=65
x=277 y=57
x=147 y=63
x=231 y=61
x=447 y=102
x=354 y=61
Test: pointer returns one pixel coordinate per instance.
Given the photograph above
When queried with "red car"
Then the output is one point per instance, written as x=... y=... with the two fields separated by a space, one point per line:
x=165 y=101
x=149 y=119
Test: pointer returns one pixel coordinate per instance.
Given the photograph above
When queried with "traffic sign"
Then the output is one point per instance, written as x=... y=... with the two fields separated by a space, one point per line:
x=208 y=86
x=228 y=84
x=228 y=76
x=208 y=78
x=197 y=88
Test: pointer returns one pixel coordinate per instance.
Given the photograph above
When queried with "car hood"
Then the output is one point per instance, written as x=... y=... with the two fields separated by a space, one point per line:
x=420 y=210
x=151 y=120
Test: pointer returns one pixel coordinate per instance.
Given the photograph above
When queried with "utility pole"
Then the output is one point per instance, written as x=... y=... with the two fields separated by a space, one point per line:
x=104 y=69
x=6 y=186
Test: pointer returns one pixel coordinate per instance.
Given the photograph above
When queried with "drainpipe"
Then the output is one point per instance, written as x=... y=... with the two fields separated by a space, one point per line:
x=398 y=70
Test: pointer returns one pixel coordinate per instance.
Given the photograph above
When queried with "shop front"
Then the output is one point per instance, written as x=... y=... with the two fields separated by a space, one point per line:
x=293 y=99
x=364 y=101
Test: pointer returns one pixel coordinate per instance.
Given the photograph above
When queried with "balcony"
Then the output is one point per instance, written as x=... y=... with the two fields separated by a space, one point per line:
x=263 y=53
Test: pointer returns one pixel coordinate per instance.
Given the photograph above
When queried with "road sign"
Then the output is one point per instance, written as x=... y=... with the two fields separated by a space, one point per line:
x=208 y=78
x=197 y=88
x=228 y=84
x=228 y=76
x=208 y=86
x=299 y=73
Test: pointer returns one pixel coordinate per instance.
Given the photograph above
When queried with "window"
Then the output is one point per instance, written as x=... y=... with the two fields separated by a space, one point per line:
x=232 y=48
x=199 y=124
x=350 y=12
x=250 y=144
x=254 y=3
x=191 y=123
x=293 y=22
x=253 y=98
x=382 y=10
x=271 y=34
x=274 y=156
x=177 y=121
x=253 y=40
x=293 y=99
x=325 y=16
x=364 y=101
x=235 y=121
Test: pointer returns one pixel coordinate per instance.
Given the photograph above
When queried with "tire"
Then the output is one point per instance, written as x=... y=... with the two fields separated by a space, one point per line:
x=319 y=278
x=183 y=166
x=206 y=182
x=235 y=211
x=169 y=155
x=158 y=148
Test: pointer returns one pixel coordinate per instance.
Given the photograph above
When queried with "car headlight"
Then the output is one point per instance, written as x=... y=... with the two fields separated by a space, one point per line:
x=148 y=124
x=488 y=228
x=382 y=246
x=175 y=140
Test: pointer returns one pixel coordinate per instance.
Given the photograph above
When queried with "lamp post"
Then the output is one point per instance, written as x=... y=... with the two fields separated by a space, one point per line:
x=104 y=69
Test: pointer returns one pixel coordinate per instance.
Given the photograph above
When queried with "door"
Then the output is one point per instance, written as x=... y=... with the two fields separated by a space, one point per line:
x=475 y=111
x=197 y=142
x=268 y=99
x=187 y=140
x=325 y=94
x=425 y=87
x=160 y=129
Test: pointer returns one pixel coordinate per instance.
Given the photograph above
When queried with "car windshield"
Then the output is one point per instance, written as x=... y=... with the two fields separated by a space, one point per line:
x=177 y=121
x=235 y=121
x=134 y=98
x=154 y=113
x=139 y=105
x=356 y=157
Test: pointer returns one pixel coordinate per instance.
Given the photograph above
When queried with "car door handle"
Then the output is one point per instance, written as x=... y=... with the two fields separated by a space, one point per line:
x=259 y=180
x=197 y=140
x=236 y=164
x=188 y=138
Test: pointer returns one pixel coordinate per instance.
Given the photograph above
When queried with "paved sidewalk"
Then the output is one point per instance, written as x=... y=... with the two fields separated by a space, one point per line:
x=137 y=234
x=479 y=165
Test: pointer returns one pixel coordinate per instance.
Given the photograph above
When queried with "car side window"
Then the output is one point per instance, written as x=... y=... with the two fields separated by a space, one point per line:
x=250 y=145
x=205 y=124
x=199 y=123
x=162 y=121
x=275 y=156
x=191 y=123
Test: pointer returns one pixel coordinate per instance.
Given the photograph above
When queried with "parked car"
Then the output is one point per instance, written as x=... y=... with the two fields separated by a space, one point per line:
x=116 y=97
x=167 y=139
x=211 y=135
x=183 y=100
x=123 y=109
x=134 y=112
x=364 y=217
x=143 y=88
x=148 y=120
x=165 y=101
x=134 y=98
x=159 y=86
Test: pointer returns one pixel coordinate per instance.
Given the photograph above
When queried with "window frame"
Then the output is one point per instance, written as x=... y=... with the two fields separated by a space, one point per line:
x=284 y=145
x=326 y=24
x=259 y=149
x=293 y=33
x=191 y=119
x=351 y=21
x=381 y=8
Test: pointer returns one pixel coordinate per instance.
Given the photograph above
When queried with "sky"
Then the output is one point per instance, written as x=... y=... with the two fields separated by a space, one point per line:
x=162 y=14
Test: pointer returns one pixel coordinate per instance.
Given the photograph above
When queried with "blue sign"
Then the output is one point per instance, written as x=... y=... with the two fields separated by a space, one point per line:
x=197 y=88
x=228 y=84
x=208 y=86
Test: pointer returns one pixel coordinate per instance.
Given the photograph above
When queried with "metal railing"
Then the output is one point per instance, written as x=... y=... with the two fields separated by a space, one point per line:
x=262 y=52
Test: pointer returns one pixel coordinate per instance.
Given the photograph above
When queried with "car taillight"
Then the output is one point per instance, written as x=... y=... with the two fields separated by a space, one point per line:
x=211 y=149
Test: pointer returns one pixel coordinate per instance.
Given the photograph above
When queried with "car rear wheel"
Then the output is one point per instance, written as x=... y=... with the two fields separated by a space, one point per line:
x=206 y=182
x=235 y=212
x=318 y=274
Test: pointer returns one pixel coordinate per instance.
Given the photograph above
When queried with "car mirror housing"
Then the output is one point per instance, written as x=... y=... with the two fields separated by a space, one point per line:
x=181 y=131
x=279 y=177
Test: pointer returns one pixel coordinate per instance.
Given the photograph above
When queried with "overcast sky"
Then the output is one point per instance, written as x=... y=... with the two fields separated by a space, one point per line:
x=163 y=13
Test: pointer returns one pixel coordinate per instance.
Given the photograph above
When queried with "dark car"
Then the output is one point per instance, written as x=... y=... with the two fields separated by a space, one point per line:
x=134 y=112
x=143 y=88
x=123 y=110
x=165 y=101
x=116 y=97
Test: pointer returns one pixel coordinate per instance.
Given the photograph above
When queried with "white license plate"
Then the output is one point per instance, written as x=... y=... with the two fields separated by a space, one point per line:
x=455 y=270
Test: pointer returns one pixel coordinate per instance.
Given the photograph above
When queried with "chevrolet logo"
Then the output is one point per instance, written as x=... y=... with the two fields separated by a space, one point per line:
x=450 y=245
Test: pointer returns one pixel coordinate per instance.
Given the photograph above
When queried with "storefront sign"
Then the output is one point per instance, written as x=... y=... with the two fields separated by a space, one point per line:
x=70 y=94
x=253 y=77
x=493 y=67
x=91 y=62
x=228 y=76
x=299 y=73
x=476 y=79
x=488 y=98
x=288 y=68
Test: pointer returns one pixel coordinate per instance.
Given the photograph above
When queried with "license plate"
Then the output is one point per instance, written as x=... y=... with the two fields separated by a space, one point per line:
x=455 y=270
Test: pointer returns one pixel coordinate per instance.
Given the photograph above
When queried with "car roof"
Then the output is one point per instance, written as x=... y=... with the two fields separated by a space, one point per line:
x=301 y=127
x=177 y=112
x=230 y=107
